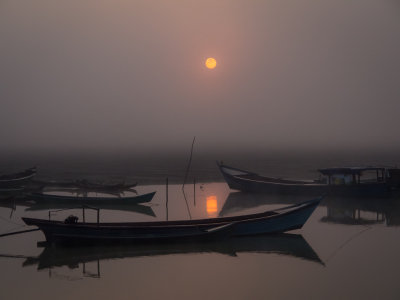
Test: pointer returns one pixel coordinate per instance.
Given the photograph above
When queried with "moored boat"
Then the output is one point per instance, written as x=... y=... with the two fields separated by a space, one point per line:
x=335 y=181
x=89 y=200
x=275 y=221
x=84 y=185
x=17 y=180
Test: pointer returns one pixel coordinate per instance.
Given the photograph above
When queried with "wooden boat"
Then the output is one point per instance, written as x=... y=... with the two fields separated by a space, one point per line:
x=336 y=181
x=84 y=185
x=90 y=200
x=15 y=180
x=276 y=221
x=135 y=207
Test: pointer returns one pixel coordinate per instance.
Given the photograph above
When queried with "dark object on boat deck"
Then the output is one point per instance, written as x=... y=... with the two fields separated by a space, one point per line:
x=268 y=222
x=71 y=219
x=337 y=182
x=50 y=198
x=16 y=180
x=394 y=177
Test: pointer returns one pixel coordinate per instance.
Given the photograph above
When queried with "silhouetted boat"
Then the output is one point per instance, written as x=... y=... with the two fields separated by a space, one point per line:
x=76 y=192
x=293 y=245
x=89 y=200
x=276 y=221
x=337 y=181
x=16 y=180
x=138 y=208
x=84 y=185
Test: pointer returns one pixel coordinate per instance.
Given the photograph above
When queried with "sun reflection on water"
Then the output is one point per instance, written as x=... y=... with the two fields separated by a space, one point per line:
x=212 y=206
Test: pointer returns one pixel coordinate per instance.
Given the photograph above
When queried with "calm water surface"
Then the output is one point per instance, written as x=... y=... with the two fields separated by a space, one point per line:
x=349 y=249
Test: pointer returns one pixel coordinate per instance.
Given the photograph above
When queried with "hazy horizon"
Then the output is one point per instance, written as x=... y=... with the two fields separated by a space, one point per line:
x=126 y=76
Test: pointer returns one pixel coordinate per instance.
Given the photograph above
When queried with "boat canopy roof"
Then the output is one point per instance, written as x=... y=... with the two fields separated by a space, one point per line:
x=349 y=170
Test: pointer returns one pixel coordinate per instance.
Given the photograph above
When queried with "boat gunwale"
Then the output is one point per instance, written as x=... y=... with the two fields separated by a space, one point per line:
x=286 y=182
x=181 y=223
x=17 y=179
x=83 y=198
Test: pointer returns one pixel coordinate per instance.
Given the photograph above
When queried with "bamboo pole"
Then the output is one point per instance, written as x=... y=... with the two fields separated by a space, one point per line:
x=190 y=161
x=166 y=196
x=194 y=191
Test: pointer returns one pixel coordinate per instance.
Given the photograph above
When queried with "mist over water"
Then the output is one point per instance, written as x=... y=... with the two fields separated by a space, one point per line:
x=155 y=167
x=115 y=91
x=127 y=76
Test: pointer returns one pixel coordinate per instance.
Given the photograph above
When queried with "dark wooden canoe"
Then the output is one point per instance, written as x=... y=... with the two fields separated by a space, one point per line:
x=135 y=207
x=84 y=185
x=276 y=221
x=15 y=180
x=91 y=200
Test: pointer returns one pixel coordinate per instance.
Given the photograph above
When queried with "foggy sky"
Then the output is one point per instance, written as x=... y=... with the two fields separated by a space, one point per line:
x=109 y=75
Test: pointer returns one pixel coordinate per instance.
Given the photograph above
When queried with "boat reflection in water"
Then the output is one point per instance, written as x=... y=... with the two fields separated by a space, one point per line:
x=350 y=211
x=339 y=210
x=284 y=244
x=236 y=202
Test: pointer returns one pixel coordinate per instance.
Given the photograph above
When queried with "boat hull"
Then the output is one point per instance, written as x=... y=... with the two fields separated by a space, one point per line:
x=47 y=198
x=17 y=180
x=249 y=182
x=278 y=221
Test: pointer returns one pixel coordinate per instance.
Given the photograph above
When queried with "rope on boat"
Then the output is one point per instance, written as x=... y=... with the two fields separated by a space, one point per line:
x=346 y=242
x=18 y=232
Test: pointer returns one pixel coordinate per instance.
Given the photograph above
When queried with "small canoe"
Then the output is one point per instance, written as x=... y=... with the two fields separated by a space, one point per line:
x=267 y=222
x=90 y=200
x=85 y=185
x=17 y=179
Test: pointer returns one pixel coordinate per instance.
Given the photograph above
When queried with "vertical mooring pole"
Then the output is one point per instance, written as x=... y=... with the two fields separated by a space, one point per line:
x=98 y=217
x=166 y=196
x=194 y=191
x=98 y=268
x=83 y=214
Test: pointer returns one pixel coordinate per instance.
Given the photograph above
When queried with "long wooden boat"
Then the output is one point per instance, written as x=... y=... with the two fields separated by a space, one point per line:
x=337 y=181
x=135 y=207
x=276 y=221
x=19 y=179
x=84 y=185
x=90 y=200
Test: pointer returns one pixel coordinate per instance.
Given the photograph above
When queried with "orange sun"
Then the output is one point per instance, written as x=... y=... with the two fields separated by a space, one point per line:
x=211 y=63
